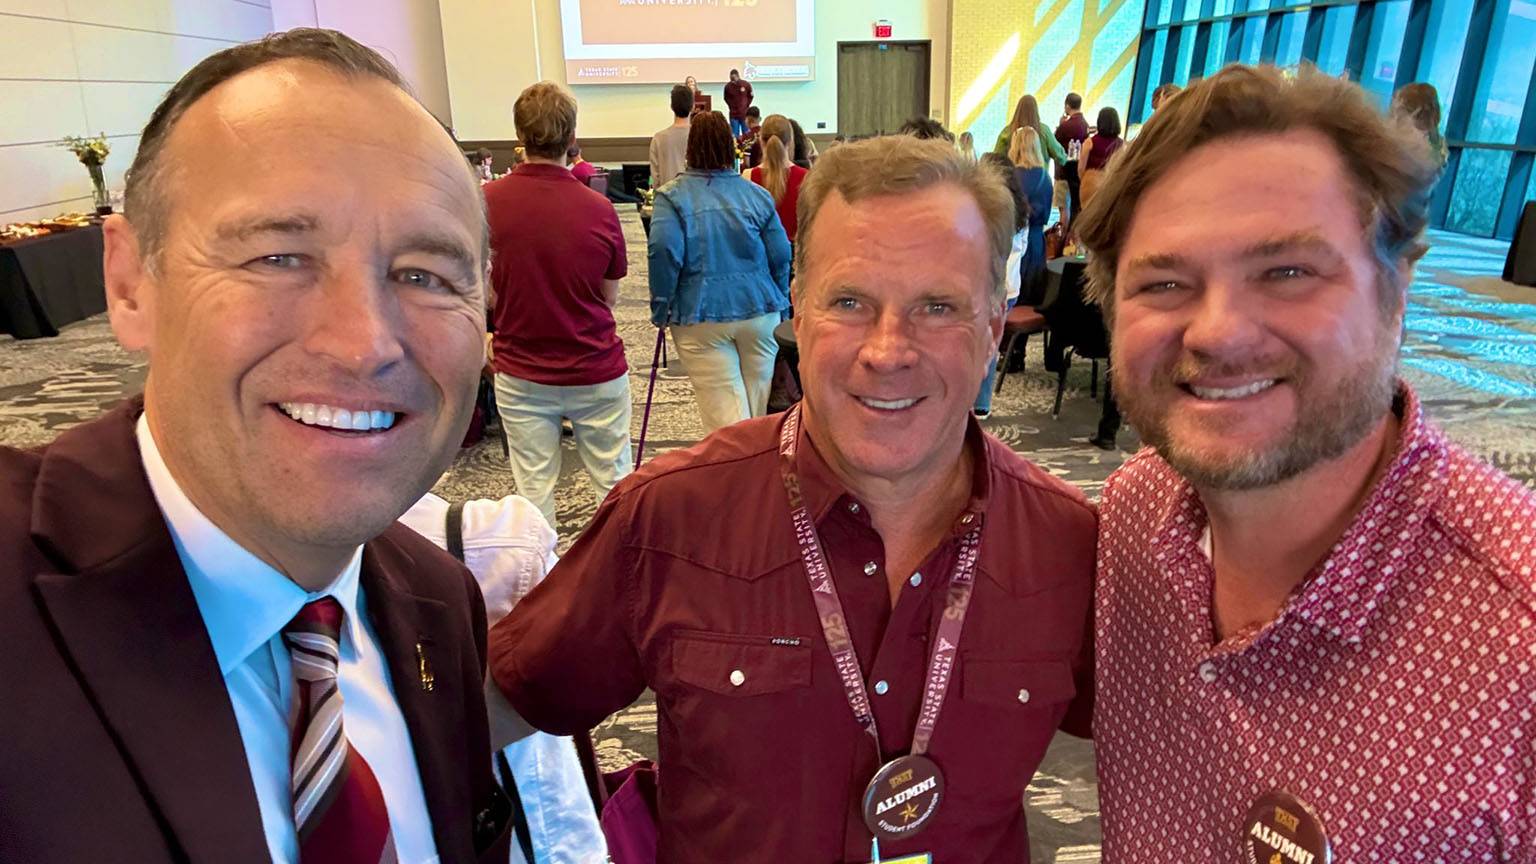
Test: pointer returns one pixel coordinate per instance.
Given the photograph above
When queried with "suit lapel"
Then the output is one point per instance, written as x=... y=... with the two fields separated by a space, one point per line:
x=424 y=667
x=129 y=624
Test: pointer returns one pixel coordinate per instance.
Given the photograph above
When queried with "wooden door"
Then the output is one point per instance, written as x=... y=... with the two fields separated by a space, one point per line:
x=880 y=85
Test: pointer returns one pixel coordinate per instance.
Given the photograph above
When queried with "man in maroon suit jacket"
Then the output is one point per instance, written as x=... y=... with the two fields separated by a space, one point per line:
x=219 y=646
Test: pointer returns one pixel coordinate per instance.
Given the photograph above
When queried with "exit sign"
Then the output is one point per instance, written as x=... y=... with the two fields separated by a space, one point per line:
x=883 y=29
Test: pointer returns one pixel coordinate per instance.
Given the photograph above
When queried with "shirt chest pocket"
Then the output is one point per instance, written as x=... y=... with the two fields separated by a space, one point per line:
x=1017 y=683
x=731 y=664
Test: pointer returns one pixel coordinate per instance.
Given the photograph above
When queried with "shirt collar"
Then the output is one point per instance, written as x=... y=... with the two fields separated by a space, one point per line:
x=1343 y=592
x=542 y=169
x=823 y=490
x=243 y=600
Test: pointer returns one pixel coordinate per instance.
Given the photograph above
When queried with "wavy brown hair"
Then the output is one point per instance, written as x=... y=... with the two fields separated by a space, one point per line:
x=1026 y=114
x=710 y=145
x=1390 y=168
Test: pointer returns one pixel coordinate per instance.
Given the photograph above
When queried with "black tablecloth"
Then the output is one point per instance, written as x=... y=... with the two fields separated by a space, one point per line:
x=1520 y=264
x=47 y=282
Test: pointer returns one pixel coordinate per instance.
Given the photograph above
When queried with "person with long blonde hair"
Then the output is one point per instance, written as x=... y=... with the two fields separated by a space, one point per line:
x=1035 y=189
x=778 y=174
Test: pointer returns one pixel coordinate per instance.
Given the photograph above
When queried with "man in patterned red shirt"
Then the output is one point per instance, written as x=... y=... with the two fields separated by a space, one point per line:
x=1316 y=623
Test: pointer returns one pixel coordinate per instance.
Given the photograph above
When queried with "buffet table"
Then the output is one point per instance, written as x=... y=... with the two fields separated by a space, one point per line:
x=49 y=281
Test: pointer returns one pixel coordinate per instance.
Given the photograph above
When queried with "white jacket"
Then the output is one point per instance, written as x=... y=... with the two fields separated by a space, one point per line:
x=510 y=547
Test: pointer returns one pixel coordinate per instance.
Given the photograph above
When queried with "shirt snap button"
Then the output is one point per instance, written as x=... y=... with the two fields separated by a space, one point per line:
x=882 y=688
x=916 y=580
x=1208 y=672
x=1023 y=697
x=853 y=507
x=738 y=678
x=870 y=568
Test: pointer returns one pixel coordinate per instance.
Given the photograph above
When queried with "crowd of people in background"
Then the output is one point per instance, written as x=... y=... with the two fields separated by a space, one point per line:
x=720 y=268
x=1299 y=619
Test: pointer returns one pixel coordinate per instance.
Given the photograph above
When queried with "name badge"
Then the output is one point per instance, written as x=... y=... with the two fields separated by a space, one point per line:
x=903 y=798
x=1282 y=829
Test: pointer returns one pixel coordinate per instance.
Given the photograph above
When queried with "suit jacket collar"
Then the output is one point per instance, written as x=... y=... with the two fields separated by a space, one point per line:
x=425 y=665
x=130 y=627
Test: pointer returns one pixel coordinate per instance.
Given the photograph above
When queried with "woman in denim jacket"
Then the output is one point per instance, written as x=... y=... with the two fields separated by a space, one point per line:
x=719 y=273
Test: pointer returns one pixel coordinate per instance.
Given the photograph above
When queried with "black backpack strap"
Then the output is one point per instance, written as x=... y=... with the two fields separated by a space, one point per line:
x=455 y=529
x=519 y=818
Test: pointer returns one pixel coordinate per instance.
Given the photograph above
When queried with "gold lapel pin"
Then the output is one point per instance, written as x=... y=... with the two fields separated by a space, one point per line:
x=427 y=679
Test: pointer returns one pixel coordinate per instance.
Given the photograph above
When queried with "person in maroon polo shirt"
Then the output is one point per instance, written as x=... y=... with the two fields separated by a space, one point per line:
x=863 y=618
x=559 y=256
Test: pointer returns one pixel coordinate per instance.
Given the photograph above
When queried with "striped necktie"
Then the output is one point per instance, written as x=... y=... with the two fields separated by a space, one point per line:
x=338 y=806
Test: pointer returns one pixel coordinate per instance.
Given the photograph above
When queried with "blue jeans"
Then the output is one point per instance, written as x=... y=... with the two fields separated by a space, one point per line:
x=738 y=127
x=984 y=398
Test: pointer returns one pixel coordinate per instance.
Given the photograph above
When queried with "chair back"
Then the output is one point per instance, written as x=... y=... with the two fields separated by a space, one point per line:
x=1075 y=323
x=599 y=181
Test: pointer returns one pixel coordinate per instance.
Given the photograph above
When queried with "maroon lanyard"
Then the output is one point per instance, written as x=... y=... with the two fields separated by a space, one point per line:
x=834 y=623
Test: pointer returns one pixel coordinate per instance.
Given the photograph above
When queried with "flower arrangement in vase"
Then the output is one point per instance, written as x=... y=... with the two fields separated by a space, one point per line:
x=92 y=153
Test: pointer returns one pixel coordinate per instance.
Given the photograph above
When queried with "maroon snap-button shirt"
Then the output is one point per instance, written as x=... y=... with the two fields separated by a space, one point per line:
x=689 y=581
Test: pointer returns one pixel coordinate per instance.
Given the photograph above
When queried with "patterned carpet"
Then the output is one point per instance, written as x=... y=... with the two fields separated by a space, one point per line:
x=1470 y=351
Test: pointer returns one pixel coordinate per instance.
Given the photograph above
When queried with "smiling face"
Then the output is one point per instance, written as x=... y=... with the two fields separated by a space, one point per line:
x=896 y=322
x=1250 y=339
x=314 y=320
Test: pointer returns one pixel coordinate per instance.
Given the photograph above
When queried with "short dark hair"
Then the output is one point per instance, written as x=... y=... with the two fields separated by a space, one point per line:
x=574 y=150
x=710 y=144
x=754 y=111
x=1000 y=164
x=143 y=195
x=927 y=127
x=1109 y=123
x=682 y=100
x=1075 y=101
x=483 y=154
x=802 y=151
x=734 y=72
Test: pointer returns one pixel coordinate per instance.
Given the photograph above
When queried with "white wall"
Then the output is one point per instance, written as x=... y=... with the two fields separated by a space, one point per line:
x=494 y=50
x=82 y=67
x=408 y=32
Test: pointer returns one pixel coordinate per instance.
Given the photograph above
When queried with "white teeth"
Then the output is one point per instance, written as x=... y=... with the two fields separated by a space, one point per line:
x=894 y=405
x=354 y=420
x=1219 y=393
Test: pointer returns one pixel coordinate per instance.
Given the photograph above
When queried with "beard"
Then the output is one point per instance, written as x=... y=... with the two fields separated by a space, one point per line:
x=1329 y=419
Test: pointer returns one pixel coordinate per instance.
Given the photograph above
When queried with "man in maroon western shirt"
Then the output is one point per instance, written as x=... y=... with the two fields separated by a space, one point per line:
x=738 y=97
x=693 y=581
x=559 y=256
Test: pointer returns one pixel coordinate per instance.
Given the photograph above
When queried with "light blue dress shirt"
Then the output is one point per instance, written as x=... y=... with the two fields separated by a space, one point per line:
x=245 y=604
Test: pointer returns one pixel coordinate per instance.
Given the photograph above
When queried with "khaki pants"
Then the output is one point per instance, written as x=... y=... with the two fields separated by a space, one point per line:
x=530 y=417
x=731 y=366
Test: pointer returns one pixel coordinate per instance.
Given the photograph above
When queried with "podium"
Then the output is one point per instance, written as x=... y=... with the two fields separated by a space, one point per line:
x=702 y=102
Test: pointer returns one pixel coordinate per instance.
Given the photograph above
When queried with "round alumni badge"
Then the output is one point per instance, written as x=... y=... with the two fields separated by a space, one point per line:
x=1282 y=829
x=903 y=798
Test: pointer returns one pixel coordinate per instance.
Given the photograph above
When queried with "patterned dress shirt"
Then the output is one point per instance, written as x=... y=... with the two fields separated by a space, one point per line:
x=1394 y=692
